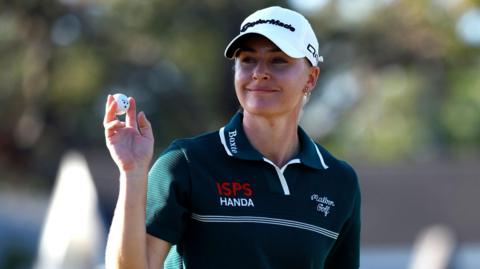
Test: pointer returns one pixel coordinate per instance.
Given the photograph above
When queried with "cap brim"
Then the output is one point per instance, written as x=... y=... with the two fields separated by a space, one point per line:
x=274 y=38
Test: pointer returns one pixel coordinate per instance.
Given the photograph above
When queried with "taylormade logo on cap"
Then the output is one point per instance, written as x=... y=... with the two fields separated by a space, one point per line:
x=260 y=21
x=288 y=30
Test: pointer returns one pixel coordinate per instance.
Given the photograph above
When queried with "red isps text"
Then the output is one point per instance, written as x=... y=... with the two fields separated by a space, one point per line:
x=234 y=189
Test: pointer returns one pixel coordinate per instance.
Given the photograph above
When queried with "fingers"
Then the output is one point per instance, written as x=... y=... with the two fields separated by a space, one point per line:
x=130 y=118
x=144 y=126
x=110 y=108
x=112 y=126
x=110 y=121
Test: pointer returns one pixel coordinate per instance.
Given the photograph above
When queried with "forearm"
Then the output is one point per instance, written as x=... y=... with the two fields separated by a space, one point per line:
x=126 y=246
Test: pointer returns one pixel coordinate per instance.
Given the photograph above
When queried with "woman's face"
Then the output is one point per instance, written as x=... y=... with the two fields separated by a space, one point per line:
x=268 y=82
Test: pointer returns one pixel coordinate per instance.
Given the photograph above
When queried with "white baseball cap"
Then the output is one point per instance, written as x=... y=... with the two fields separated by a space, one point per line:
x=287 y=29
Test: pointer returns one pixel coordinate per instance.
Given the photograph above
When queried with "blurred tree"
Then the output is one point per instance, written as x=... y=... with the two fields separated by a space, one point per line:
x=397 y=81
x=61 y=59
x=414 y=77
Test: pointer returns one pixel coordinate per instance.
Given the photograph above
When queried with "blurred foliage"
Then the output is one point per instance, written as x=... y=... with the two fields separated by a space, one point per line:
x=417 y=82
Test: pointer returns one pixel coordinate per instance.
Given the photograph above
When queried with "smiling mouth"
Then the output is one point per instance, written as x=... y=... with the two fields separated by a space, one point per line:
x=261 y=90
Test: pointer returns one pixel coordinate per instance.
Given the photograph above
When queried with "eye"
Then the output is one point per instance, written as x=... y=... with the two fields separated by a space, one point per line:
x=279 y=60
x=248 y=60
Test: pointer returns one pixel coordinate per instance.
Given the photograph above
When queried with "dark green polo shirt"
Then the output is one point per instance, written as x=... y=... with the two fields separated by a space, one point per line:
x=223 y=205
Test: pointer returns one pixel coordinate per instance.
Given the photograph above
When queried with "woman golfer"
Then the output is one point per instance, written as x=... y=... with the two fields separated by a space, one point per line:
x=258 y=192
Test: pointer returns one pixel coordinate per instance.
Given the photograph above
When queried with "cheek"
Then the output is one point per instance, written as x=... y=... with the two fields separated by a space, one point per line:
x=298 y=81
x=240 y=78
x=238 y=82
x=240 y=74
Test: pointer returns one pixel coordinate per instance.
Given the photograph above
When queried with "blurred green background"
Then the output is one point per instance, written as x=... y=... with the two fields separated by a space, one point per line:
x=400 y=82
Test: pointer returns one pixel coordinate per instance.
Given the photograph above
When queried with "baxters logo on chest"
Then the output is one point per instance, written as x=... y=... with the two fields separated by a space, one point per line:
x=235 y=194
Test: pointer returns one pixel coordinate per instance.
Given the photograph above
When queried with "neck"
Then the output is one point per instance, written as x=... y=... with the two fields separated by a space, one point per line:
x=276 y=137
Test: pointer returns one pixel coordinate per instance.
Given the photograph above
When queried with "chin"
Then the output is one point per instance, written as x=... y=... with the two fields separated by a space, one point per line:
x=263 y=111
x=260 y=108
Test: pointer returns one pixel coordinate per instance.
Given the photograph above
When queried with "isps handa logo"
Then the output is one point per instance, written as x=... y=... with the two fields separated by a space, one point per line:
x=324 y=205
x=235 y=194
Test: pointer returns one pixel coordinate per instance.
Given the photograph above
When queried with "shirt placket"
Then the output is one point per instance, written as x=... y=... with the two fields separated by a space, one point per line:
x=281 y=173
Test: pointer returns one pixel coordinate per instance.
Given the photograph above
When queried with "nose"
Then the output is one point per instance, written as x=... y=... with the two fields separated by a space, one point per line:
x=260 y=72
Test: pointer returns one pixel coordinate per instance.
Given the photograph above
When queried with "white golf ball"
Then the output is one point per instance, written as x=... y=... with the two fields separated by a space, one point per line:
x=122 y=103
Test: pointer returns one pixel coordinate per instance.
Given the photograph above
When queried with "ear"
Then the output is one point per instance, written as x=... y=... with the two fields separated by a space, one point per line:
x=313 y=74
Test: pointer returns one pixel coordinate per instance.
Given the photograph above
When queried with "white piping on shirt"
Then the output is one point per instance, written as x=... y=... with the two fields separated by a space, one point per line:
x=224 y=142
x=221 y=133
x=325 y=166
x=265 y=220
x=279 y=171
x=281 y=176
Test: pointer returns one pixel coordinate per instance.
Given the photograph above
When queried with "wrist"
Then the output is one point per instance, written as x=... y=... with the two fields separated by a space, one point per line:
x=133 y=184
x=138 y=173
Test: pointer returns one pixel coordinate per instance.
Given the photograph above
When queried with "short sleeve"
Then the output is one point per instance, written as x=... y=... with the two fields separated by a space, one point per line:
x=167 y=195
x=345 y=254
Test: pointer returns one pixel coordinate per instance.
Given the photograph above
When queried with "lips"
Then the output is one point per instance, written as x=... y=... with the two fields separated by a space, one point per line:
x=261 y=90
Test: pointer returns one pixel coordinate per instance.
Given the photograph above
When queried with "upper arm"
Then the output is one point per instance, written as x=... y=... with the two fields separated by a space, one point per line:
x=157 y=250
x=167 y=204
x=345 y=253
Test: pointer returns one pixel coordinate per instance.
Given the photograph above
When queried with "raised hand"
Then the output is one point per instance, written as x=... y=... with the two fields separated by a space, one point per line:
x=131 y=142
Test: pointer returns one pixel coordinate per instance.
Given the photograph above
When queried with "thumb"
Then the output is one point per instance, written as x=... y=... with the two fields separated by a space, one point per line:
x=144 y=126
